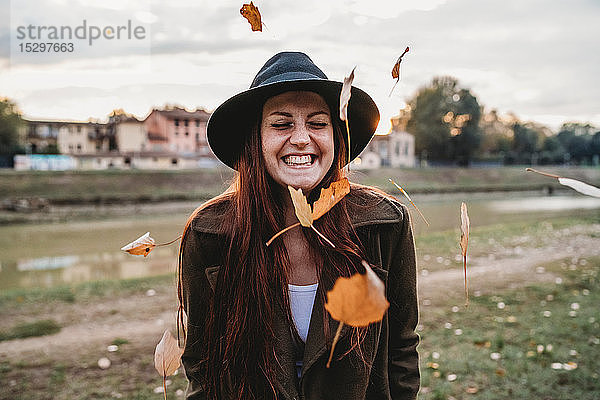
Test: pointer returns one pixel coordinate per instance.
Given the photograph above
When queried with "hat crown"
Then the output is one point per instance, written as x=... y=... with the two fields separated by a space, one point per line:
x=287 y=66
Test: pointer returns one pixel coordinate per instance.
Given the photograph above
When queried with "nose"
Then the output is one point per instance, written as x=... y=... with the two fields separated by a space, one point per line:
x=300 y=136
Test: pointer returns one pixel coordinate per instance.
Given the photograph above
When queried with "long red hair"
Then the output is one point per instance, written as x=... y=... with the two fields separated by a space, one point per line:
x=253 y=278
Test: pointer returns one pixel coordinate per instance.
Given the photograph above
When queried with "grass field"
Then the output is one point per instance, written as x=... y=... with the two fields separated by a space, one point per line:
x=538 y=341
x=138 y=185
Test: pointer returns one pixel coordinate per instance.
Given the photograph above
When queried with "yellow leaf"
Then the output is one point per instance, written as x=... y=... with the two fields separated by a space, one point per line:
x=301 y=207
x=167 y=355
x=251 y=13
x=329 y=197
x=140 y=246
x=358 y=300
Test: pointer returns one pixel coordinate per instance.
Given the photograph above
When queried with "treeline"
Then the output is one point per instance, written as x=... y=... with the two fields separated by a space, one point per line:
x=452 y=128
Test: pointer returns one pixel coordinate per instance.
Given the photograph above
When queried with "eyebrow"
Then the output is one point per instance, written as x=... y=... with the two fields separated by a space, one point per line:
x=285 y=114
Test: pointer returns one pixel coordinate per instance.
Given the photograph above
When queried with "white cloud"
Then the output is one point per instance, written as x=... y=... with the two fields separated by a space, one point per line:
x=537 y=58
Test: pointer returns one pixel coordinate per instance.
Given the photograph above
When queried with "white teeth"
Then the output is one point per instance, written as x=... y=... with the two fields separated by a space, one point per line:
x=298 y=159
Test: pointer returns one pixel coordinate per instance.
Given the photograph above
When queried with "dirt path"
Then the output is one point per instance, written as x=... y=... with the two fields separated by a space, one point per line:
x=141 y=319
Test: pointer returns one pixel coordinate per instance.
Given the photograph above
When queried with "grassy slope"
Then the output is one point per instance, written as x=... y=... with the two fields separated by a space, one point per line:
x=194 y=184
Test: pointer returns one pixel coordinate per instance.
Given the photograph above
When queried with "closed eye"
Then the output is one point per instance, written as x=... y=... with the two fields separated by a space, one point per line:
x=318 y=125
x=281 y=125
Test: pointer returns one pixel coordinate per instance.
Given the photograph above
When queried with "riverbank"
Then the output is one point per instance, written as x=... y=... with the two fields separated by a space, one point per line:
x=139 y=186
x=489 y=350
x=48 y=197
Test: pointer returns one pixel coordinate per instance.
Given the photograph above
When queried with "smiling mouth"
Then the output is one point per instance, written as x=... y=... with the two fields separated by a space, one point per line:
x=295 y=160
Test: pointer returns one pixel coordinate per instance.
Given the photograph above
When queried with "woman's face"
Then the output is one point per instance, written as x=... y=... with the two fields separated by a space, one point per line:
x=297 y=139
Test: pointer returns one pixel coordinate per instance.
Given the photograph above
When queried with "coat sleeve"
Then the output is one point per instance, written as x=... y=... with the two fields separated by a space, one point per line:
x=403 y=359
x=196 y=297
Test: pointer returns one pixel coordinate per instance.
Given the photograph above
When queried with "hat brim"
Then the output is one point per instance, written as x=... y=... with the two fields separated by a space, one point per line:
x=230 y=122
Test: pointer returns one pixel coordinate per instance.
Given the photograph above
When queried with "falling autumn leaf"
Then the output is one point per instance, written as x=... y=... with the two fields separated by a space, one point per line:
x=356 y=301
x=409 y=199
x=251 y=13
x=144 y=245
x=464 y=242
x=328 y=197
x=301 y=207
x=579 y=186
x=140 y=246
x=345 y=95
x=396 y=69
x=167 y=357
x=344 y=99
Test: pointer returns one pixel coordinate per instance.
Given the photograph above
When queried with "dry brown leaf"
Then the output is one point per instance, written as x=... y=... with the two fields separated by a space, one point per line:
x=472 y=389
x=345 y=95
x=396 y=69
x=356 y=301
x=167 y=357
x=251 y=13
x=301 y=207
x=409 y=199
x=140 y=246
x=329 y=197
x=344 y=99
x=579 y=186
x=464 y=241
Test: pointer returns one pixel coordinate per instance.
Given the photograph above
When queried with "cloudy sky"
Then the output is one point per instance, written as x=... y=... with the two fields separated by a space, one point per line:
x=538 y=59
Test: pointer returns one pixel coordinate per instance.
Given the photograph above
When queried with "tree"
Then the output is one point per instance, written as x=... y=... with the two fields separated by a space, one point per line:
x=445 y=121
x=577 y=140
x=10 y=122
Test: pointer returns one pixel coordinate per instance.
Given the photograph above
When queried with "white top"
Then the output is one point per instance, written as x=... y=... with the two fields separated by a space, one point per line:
x=302 y=299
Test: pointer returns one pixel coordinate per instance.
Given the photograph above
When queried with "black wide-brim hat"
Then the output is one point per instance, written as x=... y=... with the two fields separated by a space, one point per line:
x=284 y=72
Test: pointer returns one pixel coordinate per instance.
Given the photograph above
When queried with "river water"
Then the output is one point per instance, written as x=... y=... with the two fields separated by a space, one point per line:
x=50 y=255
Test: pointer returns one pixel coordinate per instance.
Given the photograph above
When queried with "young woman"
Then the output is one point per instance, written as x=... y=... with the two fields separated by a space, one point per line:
x=256 y=324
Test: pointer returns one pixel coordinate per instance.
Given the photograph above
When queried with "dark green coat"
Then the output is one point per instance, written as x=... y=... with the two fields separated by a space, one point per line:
x=391 y=370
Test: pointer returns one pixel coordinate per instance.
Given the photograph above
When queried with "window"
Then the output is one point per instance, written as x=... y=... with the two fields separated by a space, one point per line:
x=79 y=129
x=186 y=122
x=70 y=147
x=197 y=123
x=174 y=161
x=187 y=134
x=197 y=137
x=176 y=133
x=79 y=147
x=176 y=122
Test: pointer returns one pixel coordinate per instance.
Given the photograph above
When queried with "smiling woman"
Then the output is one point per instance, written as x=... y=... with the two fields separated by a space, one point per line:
x=297 y=139
x=256 y=322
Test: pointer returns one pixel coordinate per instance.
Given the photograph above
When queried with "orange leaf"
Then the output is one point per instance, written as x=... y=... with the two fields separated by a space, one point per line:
x=167 y=355
x=464 y=241
x=396 y=69
x=140 y=246
x=329 y=197
x=358 y=300
x=251 y=13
